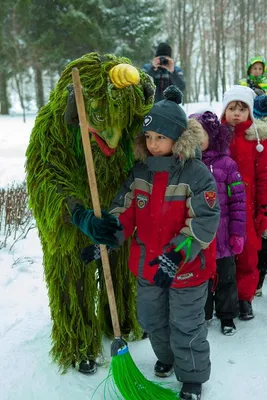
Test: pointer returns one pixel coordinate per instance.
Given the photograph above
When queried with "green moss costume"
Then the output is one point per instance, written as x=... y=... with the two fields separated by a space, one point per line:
x=56 y=171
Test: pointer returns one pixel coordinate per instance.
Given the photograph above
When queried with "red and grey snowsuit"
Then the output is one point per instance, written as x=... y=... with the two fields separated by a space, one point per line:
x=252 y=165
x=163 y=202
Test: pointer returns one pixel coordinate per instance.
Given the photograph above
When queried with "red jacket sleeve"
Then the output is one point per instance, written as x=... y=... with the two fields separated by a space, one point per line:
x=123 y=206
x=261 y=190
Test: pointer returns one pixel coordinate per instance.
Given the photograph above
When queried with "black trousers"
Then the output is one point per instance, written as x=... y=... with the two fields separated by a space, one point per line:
x=262 y=264
x=225 y=296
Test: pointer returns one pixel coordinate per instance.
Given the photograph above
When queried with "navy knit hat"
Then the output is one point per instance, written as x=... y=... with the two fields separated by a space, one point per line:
x=260 y=106
x=164 y=49
x=166 y=116
x=219 y=134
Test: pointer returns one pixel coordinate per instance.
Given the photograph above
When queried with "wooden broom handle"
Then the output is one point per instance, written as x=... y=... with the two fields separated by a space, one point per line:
x=95 y=198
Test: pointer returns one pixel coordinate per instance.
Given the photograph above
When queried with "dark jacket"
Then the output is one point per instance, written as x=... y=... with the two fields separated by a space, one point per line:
x=163 y=78
x=164 y=201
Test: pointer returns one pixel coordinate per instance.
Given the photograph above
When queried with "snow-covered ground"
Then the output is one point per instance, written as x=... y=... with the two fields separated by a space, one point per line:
x=239 y=363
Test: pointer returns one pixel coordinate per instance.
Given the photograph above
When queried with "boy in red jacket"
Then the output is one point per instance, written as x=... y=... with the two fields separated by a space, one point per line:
x=169 y=204
x=251 y=158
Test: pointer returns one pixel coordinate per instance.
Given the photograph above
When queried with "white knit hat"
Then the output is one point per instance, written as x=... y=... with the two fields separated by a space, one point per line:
x=247 y=96
x=239 y=93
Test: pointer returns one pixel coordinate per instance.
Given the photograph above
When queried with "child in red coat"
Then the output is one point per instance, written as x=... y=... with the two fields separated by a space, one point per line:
x=250 y=154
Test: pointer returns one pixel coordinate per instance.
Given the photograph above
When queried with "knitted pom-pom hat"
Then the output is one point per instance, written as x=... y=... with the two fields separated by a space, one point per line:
x=219 y=134
x=166 y=116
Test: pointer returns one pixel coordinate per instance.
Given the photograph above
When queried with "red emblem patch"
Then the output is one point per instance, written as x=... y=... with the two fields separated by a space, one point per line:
x=141 y=201
x=210 y=198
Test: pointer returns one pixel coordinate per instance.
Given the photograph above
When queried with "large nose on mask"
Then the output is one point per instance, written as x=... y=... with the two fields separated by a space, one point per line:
x=111 y=136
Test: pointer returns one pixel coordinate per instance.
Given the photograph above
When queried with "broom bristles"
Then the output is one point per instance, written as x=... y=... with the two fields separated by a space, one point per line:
x=131 y=383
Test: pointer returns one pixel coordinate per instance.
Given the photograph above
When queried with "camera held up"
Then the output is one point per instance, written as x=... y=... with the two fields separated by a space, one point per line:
x=163 y=60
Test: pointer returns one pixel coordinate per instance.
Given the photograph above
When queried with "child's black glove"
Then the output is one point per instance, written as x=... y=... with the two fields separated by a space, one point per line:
x=168 y=265
x=92 y=253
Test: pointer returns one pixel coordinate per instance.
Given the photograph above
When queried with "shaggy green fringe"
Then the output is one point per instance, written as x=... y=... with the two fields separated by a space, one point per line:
x=55 y=170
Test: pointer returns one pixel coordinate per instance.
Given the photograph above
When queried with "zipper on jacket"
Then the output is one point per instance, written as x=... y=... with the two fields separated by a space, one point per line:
x=211 y=169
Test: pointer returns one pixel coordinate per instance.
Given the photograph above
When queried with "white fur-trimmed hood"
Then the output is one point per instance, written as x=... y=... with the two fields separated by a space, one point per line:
x=261 y=126
x=186 y=147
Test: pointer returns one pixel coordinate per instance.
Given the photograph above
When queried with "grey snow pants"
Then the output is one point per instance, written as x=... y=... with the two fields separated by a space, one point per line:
x=175 y=322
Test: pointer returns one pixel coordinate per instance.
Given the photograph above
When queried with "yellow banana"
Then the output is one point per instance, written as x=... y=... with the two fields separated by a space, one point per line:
x=114 y=77
x=132 y=75
x=122 y=78
x=123 y=75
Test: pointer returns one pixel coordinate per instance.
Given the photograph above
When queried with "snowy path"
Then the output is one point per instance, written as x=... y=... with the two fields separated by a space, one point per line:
x=239 y=363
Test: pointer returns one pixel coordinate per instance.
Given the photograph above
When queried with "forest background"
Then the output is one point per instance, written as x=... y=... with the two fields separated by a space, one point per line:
x=212 y=41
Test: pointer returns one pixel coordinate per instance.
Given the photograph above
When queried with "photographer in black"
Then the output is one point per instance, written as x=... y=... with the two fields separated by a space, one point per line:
x=163 y=71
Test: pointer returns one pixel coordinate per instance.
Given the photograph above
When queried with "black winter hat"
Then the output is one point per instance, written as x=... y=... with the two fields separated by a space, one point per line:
x=164 y=49
x=166 y=116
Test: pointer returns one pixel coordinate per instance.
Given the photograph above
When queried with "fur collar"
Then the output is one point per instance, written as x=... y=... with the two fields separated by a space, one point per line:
x=186 y=147
x=261 y=126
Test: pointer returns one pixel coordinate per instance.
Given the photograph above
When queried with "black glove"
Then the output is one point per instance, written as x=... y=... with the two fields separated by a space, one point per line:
x=92 y=253
x=168 y=265
x=99 y=230
x=71 y=113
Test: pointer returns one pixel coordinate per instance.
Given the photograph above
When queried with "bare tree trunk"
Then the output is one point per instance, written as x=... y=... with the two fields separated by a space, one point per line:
x=184 y=52
x=217 y=26
x=20 y=89
x=197 y=79
x=242 y=37
x=248 y=42
x=211 y=55
x=4 y=104
x=39 y=87
x=203 y=41
x=223 y=69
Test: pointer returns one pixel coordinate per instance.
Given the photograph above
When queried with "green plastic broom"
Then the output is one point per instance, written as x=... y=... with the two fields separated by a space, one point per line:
x=129 y=381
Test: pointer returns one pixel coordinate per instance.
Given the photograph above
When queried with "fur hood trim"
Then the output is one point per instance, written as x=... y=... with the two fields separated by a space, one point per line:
x=261 y=126
x=185 y=148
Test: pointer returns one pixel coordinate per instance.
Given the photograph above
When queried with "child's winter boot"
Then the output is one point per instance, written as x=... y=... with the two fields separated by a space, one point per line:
x=163 y=370
x=228 y=327
x=258 y=292
x=191 y=391
x=86 y=366
x=245 y=310
x=260 y=284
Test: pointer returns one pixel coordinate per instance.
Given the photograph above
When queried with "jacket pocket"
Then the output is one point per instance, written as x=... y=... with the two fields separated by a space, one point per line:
x=137 y=256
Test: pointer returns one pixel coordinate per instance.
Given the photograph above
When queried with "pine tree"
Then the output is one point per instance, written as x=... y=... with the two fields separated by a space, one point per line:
x=133 y=26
